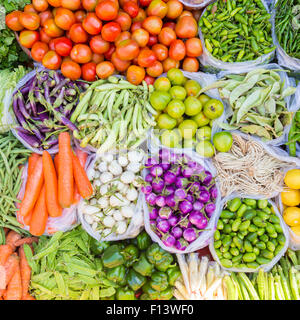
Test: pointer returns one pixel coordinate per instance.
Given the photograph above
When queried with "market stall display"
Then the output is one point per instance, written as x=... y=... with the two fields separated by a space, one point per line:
x=127 y=174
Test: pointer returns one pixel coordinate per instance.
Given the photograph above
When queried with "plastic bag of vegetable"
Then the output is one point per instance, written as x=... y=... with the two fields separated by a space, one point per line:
x=180 y=201
x=115 y=211
x=262 y=236
x=67 y=221
x=196 y=4
x=239 y=27
x=286 y=33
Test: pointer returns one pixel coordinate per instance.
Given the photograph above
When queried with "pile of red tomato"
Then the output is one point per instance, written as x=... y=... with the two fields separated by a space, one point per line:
x=97 y=38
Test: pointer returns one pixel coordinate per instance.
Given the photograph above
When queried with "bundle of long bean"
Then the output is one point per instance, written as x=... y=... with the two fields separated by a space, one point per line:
x=12 y=156
x=113 y=113
x=287 y=26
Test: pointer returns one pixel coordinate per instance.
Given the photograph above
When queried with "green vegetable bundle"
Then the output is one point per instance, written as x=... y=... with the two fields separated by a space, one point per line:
x=256 y=102
x=114 y=112
x=294 y=134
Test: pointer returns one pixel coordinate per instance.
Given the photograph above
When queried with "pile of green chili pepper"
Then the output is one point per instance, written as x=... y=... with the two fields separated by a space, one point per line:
x=287 y=26
x=12 y=156
x=141 y=269
x=294 y=134
x=236 y=31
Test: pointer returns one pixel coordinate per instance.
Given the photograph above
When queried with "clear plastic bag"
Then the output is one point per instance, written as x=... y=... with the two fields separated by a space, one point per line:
x=136 y=221
x=213 y=65
x=196 y=4
x=204 y=238
x=283 y=58
x=266 y=267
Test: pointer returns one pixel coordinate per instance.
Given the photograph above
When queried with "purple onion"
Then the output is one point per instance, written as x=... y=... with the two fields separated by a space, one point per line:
x=210 y=209
x=158 y=185
x=170 y=200
x=204 y=196
x=151 y=198
x=166 y=166
x=181 y=245
x=190 y=198
x=213 y=192
x=198 y=206
x=160 y=201
x=150 y=162
x=180 y=194
x=149 y=178
x=163 y=225
x=185 y=206
x=202 y=224
x=173 y=220
x=156 y=170
x=153 y=214
x=169 y=177
x=195 y=217
x=176 y=232
x=187 y=172
x=169 y=190
x=189 y=234
x=146 y=189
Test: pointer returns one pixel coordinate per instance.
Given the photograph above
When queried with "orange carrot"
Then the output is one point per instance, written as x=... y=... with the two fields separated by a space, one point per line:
x=65 y=171
x=6 y=230
x=31 y=162
x=25 y=272
x=33 y=188
x=82 y=181
x=53 y=207
x=40 y=215
x=5 y=251
x=26 y=241
x=28 y=297
x=14 y=288
x=27 y=219
x=11 y=239
x=10 y=269
x=82 y=156
x=56 y=160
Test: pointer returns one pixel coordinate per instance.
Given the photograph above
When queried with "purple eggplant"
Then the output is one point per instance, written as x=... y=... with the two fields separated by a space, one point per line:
x=189 y=235
x=169 y=190
x=146 y=189
x=181 y=182
x=185 y=207
x=163 y=226
x=181 y=244
x=150 y=162
x=180 y=194
x=204 y=196
x=170 y=201
x=153 y=213
x=210 y=209
x=177 y=232
x=149 y=178
x=165 y=213
x=173 y=220
x=151 y=198
x=160 y=201
x=169 y=178
x=168 y=240
x=198 y=206
x=156 y=170
x=158 y=185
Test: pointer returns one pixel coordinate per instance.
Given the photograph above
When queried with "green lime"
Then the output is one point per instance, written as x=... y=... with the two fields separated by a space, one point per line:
x=188 y=128
x=179 y=120
x=164 y=121
x=189 y=143
x=205 y=149
x=192 y=87
x=223 y=141
x=211 y=122
x=170 y=138
x=175 y=109
x=159 y=100
x=162 y=84
x=177 y=92
x=204 y=133
x=192 y=106
x=203 y=98
x=213 y=109
x=175 y=76
x=200 y=119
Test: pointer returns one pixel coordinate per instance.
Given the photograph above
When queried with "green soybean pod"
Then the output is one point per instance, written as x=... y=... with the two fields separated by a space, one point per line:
x=264 y=238
x=232 y=245
x=231 y=221
x=274 y=241
x=261 y=245
x=244 y=225
x=217 y=244
x=241 y=210
x=267 y=254
x=225 y=221
x=232 y=234
x=241 y=266
x=281 y=239
x=219 y=253
x=262 y=204
x=237 y=258
x=250 y=202
x=220 y=225
x=260 y=231
x=226 y=263
x=236 y=224
x=234 y=251
x=252 y=228
x=217 y=235
x=252 y=265
x=224 y=249
x=226 y=214
x=248 y=246
x=270 y=246
x=256 y=251
x=278 y=228
x=227 y=255
x=234 y=204
x=249 y=214
x=249 y=257
x=240 y=236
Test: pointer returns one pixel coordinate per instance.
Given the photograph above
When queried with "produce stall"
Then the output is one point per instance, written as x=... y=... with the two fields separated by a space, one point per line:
x=149 y=150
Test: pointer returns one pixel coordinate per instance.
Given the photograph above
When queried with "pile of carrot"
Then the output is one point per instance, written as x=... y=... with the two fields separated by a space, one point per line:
x=15 y=272
x=53 y=185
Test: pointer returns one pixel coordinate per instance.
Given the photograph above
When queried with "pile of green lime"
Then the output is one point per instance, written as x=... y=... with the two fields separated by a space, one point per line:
x=184 y=117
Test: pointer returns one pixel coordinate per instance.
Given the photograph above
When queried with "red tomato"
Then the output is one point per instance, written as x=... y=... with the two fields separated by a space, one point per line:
x=177 y=50
x=127 y=49
x=54 y=3
x=169 y=24
x=170 y=63
x=105 y=69
x=63 y=46
x=149 y=80
x=65 y=59
x=152 y=40
x=155 y=70
x=52 y=29
x=160 y=51
x=186 y=13
x=89 y=71
x=89 y=5
x=97 y=58
x=28 y=38
x=186 y=27
x=141 y=16
x=29 y=8
x=122 y=2
x=110 y=52
x=157 y=8
x=71 y=70
x=40 y=5
x=38 y=51
x=145 y=3
x=135 y=74
x=51 y=60
x=81 y=53
x=175 y=8
x=146 y=58
x=120 y=65
x=29 y=20
x=44 y=37
x=12 y=21
x=166 y=36
x=193 y=47
x=91 y=24
x=135 y=26
x=98 y=45
x=107 y=10
x=122 y=36
x=80 y=15
x=124 y=20
x=190 y=64
x=45 y=16
x=78 y=34
x=110 y=31
x=153 y=24
x=141 y=36
x=71 y=4
x=52 y=44
x=64 y=18
x=131 y=8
